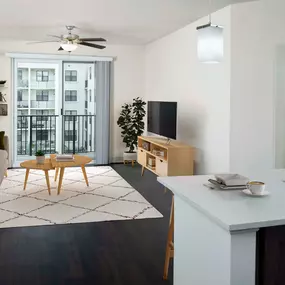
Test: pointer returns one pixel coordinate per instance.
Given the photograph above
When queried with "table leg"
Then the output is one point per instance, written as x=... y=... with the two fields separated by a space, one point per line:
x=47 y=180
x=26 y=178
x=142 y=171
x=85 y=175
x=60 y=180
x=56 y=173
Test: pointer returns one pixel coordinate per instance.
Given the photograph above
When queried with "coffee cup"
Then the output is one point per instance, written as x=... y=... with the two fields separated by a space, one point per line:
x=256 y=187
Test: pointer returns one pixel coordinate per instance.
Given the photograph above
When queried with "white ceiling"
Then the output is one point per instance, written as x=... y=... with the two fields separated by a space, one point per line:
x=120 y=21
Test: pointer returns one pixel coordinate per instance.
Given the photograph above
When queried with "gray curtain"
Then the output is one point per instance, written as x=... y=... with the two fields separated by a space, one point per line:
x=103 y=82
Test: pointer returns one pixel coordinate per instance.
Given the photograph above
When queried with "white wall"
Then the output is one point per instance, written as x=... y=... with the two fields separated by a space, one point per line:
x=128 y=81
x=202 y=91
x=257 y=33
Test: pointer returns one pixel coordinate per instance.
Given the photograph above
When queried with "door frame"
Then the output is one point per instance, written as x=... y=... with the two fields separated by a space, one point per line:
x=40 y=58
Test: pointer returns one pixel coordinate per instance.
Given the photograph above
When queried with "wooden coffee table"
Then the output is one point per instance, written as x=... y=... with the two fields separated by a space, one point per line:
x=79 y=160
x=32 y=164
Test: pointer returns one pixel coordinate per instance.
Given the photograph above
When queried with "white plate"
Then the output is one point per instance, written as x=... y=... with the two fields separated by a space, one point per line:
x=247 y=192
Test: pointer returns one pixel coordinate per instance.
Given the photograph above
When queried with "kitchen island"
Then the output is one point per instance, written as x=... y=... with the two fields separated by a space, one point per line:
x=226 y=237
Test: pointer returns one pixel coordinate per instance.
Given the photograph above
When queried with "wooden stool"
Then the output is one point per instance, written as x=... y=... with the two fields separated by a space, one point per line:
x=169 y=245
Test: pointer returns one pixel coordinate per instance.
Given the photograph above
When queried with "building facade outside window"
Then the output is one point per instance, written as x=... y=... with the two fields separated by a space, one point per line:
x=72 y=113
x=42 y=95
x=71 y=75
x=70 y=95
x=20 y=95
x=68 y=135
x=20 y=74
x=42 y=135
x=42 y=76
x=40 y=114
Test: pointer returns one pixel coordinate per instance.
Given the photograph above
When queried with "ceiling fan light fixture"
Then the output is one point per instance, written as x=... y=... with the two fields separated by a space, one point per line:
x=69 y=46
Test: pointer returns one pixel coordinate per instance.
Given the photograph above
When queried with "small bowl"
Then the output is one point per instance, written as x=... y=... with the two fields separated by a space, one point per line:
x=2 y=82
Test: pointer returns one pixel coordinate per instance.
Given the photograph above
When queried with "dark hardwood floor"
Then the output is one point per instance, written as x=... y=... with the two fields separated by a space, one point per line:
x=115 y=252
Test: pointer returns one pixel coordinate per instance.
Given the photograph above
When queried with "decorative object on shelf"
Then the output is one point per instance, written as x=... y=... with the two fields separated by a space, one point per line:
x=151 y=161
x=145 y=145
x=158 y=152
x=2 y=97
x=3 y=110
x=132 y=125
x=2 y=83
x=210 y=42
x=40 y=157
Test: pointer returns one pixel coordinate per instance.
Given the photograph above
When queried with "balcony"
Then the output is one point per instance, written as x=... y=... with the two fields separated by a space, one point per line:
x=39 y=132
x=43 y=104
x=42 y=84
x=23 y=83
x=23 y=104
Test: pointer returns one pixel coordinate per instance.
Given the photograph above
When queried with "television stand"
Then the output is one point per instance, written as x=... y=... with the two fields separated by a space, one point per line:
x=172 y=158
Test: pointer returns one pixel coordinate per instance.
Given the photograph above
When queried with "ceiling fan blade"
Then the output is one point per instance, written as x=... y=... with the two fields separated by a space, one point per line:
x=54 y=36
x=92 y=39
x=60 y=49
x=91 y=45
x=42 y=42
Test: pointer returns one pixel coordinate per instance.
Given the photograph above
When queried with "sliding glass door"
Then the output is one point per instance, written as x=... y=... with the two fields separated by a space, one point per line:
x=79 y=109
x=55 y=108
x=36 y=108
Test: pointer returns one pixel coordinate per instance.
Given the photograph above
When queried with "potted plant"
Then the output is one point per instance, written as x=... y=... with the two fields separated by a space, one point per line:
x=132 y=125
x=40 y=157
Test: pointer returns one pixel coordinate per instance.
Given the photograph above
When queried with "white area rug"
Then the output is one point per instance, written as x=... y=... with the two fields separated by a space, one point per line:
x=108 y=197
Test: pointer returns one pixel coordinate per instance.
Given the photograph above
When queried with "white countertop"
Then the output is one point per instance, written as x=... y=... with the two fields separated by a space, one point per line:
x=232 y=210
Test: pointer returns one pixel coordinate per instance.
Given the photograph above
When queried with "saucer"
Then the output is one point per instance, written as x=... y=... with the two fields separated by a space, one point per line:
x=248 y=192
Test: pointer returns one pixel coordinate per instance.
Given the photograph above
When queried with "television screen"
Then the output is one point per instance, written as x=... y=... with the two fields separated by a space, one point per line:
x=161 y=118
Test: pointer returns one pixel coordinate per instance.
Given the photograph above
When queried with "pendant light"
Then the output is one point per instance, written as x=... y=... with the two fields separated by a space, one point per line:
x=210 y=42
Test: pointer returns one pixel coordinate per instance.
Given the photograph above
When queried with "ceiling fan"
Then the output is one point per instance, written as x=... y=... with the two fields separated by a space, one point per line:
x=70 y=41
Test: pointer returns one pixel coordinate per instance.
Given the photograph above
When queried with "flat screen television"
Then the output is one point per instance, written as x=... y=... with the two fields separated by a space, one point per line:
x=162 y=118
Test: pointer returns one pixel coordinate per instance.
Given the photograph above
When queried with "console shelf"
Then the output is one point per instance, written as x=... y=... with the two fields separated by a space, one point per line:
x=177 y=159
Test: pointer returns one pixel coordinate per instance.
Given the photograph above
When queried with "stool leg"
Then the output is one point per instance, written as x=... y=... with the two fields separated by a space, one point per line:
x=169 y=244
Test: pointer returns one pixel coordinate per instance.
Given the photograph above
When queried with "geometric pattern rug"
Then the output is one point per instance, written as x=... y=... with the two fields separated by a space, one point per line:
x=108 y=197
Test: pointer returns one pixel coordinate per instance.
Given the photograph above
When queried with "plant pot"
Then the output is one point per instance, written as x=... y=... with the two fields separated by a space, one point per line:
x=40 y=159
x=130 y=156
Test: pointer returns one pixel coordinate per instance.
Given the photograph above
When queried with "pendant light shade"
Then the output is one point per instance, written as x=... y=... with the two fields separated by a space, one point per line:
x=210 y=44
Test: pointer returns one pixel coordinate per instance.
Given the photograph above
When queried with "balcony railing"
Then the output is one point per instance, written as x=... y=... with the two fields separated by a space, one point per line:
x=43 y=84
x=42 y=104
x=79 y=133
x=23 y=83
x=39 y=132
x=36 y=132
